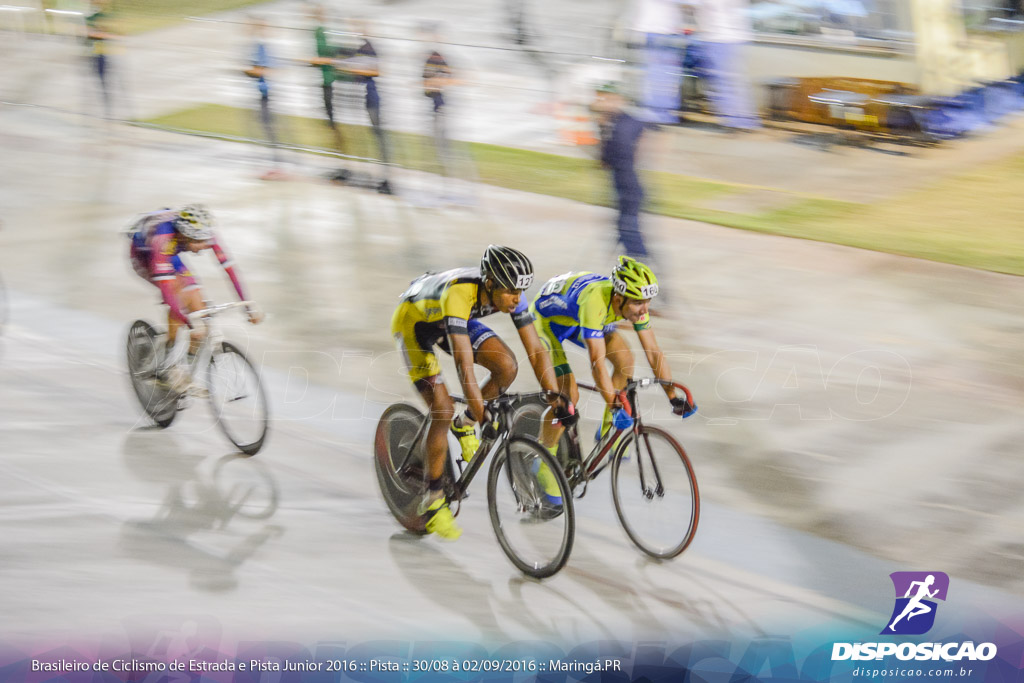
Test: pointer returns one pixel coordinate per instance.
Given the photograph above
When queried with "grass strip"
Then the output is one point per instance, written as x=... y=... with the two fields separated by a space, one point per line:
x=975 y=219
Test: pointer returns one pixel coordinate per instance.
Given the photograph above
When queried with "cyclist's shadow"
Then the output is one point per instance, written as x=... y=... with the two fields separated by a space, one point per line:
x=204 y=497
x=703 y=605
x=438 y=577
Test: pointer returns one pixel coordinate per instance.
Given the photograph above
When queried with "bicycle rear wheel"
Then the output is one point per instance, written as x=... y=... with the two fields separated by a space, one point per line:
x=535 y=534
x=159 y=402
x=655 y=492
x=237 y=398
x=399 y=462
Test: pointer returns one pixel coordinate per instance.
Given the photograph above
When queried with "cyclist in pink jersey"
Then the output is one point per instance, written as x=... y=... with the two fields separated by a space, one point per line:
x=157 y=242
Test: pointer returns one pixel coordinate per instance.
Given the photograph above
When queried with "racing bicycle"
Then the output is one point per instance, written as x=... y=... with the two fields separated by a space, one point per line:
x=654 y=488
x=232 y=383
x=536 y=535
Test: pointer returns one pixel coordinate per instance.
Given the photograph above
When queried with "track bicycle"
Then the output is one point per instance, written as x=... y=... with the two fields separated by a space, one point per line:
x=232 y=383
x=654 y=488
x=536 y=535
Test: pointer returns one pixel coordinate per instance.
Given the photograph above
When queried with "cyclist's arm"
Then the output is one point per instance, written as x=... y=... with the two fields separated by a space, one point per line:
x=656 y=359
x=229 y=267
x=462 y=351
x=597 y=350
x=456 y=309
x=540 y=360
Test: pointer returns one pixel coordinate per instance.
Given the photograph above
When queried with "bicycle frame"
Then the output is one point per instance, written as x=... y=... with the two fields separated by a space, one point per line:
x=213 y=337
x=501 y=408
x=591 y=465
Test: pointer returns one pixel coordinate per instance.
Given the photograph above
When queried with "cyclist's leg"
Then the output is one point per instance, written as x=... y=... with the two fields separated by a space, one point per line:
x=495 y=355
x=440 y=520
x=441 y=410
x=190 y=298
x=423 y=369
x=551 y=431
x=618 y=353
x=492 y=353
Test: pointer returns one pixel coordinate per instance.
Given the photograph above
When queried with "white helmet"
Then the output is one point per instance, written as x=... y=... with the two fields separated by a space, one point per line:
x=195 y=222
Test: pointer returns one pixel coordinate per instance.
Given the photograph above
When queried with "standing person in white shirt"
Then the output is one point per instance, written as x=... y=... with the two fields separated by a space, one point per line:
x=723 y=28
x=656 y=25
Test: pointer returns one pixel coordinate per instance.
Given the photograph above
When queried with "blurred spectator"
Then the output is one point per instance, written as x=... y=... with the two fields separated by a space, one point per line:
x=437 y=78
x=529 y=40
x=260 y=63
x=364 y=67
x=325 y=55
x=656 y=25
x=722 y=29
x=98 y=39
x=620 y=136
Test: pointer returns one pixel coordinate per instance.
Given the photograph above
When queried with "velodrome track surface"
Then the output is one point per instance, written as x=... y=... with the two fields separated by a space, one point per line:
x=860 y=414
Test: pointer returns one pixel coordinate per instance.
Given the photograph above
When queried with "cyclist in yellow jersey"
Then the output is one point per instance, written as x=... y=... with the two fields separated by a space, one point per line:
x=445 y=309
x=583 y=308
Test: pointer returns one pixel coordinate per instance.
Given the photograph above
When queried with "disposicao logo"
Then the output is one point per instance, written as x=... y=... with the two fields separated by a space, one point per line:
x=913 y=615
x=916 y=593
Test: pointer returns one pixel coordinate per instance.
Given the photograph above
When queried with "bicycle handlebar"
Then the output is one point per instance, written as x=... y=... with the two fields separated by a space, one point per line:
x=644 y=382
x=217 y=309
x=512 y=398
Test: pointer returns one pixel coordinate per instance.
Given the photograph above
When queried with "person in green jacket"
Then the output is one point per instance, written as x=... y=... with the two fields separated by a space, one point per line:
x=325 y=55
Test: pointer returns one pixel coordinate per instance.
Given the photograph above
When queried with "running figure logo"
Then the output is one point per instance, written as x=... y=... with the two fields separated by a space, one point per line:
x=914 y=612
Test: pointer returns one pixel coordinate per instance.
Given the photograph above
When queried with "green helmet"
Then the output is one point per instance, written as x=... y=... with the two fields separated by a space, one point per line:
x=634 y=280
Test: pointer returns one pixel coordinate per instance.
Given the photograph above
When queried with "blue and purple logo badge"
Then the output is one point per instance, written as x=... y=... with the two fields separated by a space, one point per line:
x=916 y=593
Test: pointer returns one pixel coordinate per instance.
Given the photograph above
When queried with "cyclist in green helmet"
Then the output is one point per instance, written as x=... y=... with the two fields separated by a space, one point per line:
x=583 y=308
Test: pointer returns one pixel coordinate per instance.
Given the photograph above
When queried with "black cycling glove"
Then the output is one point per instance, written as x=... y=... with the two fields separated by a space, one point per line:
x=682 y=407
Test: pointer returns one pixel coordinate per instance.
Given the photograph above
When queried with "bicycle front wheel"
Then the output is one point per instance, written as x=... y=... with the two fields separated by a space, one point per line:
x=527 y=421
x=399 y=462
x=237 y=398
x=531 y=507
x=158 y=401
x=655 y=492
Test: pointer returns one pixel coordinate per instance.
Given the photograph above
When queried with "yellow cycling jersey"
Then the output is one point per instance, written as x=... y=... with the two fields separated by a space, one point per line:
x=447 y=301
x=440 y=303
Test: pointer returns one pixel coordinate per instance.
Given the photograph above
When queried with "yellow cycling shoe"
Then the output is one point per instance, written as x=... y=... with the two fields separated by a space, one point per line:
x=442 y=521
x=467 y=440
x=548 y=482
x=606 y=424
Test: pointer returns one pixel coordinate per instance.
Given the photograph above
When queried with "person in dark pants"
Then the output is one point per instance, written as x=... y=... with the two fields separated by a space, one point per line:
x=98 y=39
x=437 y=76
x=364 y=68
x=620 y=135
x=260 y=63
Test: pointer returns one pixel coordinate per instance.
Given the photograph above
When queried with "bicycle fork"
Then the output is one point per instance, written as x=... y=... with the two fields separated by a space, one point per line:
x=658 y=489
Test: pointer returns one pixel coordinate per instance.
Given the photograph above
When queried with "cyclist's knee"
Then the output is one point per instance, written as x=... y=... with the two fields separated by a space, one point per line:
x=499 y=360
x=505 y=371
x=622 y=360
